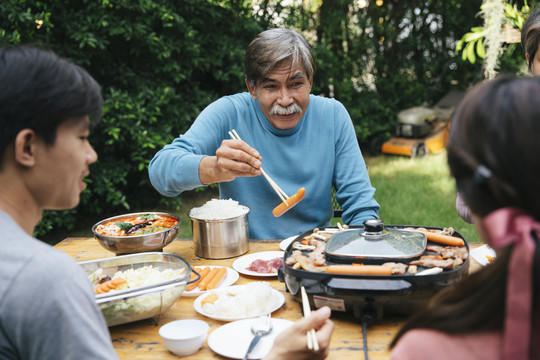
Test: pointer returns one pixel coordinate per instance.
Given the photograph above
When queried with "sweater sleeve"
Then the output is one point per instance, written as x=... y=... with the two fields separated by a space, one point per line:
x=353 y=187
x=175 y=168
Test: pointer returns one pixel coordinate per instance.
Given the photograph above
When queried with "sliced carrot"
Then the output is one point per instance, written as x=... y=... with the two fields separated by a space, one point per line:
x=292 y=201
x=104 y=287
x=208 y=278
x=442 y=239
x=217 y=279
x=359 y=270
x=204 y=272
x=117 y=281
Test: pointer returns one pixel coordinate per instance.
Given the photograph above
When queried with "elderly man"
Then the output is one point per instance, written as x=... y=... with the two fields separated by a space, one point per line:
x=301 y=139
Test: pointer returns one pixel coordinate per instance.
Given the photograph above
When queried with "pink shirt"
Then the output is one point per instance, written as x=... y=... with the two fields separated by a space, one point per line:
x=419 y=344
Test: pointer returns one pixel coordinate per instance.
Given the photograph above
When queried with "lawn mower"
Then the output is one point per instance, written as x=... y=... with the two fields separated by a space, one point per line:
x=420 y=130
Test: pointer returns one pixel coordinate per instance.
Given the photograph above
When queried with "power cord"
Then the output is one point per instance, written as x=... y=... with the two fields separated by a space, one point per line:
x=368 y=314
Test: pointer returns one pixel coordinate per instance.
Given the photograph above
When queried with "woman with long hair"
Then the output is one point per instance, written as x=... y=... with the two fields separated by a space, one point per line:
x=494 y=156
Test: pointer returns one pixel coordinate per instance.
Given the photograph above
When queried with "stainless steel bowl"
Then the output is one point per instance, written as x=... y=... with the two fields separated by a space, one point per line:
x=121 y=245
x=120 y=307
x=220 y=239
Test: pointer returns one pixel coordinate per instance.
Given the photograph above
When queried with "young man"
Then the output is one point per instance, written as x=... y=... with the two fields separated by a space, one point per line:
x=303 y=141
x=47 y=306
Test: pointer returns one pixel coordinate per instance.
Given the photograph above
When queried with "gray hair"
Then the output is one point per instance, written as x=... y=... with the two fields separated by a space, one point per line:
x=277 y=46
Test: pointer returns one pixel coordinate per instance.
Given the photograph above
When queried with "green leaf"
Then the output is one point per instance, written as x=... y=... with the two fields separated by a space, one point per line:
x=469 y=50
x=149 y=217
x=123 y=225
x=480 y=49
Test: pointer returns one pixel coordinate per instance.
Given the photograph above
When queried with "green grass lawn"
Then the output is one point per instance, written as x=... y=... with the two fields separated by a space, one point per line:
x=417 y=192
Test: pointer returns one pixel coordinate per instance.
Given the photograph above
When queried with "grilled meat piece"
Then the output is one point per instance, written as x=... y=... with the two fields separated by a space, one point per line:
x=397 y=268
x=433 y=261
x=293 y=259
x=456 y=252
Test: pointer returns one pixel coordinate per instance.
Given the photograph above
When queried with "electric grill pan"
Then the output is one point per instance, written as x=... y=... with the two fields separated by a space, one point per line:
x=371 y=294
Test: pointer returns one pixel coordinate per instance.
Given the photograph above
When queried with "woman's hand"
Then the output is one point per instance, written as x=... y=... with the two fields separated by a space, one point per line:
x=292 y=343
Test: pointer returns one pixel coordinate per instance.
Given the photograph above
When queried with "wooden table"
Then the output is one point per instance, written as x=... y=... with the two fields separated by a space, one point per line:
x=140 y=340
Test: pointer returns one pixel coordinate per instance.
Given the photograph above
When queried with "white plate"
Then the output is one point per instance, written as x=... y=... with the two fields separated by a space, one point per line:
x=232 y=340
x=242 y=263
x=284 y=244
x=481 y=253
x=198 y=307
x=230 y=279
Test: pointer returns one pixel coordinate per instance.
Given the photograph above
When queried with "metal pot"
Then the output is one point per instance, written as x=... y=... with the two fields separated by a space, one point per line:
x=122 y=245
x=220 y=239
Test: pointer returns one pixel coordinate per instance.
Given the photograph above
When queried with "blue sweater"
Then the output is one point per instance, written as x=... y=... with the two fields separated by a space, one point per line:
x=321 y=151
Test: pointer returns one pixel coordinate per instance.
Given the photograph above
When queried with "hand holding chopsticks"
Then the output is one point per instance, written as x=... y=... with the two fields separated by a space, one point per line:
x=283 y=196
x=291 y=343
x=287 y=202
x=312 y=342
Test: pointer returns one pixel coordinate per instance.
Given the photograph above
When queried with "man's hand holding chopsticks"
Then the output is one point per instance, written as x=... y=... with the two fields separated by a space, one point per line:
x=234 y=158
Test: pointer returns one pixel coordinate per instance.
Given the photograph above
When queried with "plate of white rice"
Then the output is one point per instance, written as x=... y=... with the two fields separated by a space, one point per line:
x=240 y=302
x=219 y=209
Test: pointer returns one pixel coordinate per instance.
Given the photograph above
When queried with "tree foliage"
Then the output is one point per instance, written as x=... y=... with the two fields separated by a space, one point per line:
x=160 y=62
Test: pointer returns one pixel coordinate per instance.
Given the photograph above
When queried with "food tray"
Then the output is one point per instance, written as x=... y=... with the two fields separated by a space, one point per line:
x=120 y=307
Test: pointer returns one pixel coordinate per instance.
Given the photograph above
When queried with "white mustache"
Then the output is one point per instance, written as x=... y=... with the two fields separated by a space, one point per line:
x=285 y=110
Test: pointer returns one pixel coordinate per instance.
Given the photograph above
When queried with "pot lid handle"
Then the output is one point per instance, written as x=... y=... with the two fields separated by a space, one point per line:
x=373 y=227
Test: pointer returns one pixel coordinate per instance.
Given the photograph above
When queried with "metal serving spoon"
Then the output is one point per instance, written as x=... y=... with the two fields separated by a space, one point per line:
x=261 y=327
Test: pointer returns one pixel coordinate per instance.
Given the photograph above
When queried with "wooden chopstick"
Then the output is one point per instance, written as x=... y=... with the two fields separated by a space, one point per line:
x=282 y=195
x=312 y=342
x=272 y=182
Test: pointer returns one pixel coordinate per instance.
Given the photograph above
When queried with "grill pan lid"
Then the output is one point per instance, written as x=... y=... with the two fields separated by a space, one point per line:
x=376 y=242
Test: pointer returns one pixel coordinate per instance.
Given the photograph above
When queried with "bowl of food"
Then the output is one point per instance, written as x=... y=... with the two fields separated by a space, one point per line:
x=220 y=229
x=137 y=286
x=137 y=232
x=184 y=337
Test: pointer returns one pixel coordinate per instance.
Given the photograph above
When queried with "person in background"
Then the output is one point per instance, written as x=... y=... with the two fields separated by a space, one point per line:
x=47 y=304
x=493 y=313
x=530 y=38
x=302 y=140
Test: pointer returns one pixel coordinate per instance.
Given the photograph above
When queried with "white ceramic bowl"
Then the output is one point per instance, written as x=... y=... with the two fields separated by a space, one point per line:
x=184 y=337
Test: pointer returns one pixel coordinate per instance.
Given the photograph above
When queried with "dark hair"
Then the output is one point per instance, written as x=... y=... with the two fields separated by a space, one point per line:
x=530 y=35
x=277 y=46
x=39 y=91
x=495 y=129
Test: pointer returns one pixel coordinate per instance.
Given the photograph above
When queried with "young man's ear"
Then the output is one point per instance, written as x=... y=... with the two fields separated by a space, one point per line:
x=25 y=147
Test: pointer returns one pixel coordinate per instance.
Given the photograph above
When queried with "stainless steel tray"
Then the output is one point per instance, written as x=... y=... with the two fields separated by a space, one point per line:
x=120 y=307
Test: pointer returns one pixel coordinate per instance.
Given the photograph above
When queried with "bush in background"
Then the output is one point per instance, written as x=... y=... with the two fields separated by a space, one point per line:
x=159 y=64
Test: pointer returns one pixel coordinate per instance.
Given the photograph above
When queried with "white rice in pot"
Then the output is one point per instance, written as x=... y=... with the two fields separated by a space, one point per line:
x=218 y=209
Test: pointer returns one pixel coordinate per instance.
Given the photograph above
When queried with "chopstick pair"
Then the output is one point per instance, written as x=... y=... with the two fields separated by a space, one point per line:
x=312 y=342
x=282 y=195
